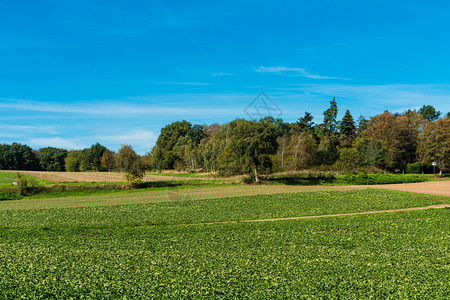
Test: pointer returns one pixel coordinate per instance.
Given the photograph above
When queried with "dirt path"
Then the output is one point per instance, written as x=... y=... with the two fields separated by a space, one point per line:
x=437 y=188
x=325 y=216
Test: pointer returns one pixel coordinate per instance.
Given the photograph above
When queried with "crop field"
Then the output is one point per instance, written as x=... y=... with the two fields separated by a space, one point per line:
x=107 y=176
x=165 y=249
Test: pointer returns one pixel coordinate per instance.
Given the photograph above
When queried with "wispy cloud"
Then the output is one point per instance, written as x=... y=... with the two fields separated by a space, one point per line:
x=185 y=83
x=374 y=99
x=120 y=109
x=58 y=142
x=282 y=70
x=223 y=74
x=140 y=139
x=28 y=129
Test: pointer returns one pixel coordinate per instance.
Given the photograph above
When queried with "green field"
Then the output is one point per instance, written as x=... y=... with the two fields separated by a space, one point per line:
x=148 y=250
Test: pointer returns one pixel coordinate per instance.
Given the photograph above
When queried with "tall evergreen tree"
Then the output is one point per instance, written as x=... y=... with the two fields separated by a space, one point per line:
x=347 y=129
x=305 y=123
x=329 y=125
x=429 y=113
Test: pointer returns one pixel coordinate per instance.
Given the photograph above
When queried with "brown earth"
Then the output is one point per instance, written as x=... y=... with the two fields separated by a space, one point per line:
x=94 y=176
x=437 y=188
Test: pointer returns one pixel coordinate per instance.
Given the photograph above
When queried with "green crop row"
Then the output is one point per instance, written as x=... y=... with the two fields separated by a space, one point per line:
x=216 y=210
x=383 y=256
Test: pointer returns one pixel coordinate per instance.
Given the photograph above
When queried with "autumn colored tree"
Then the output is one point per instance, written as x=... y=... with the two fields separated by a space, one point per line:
x=108 y=161
x=394 y=133
x=434 y=144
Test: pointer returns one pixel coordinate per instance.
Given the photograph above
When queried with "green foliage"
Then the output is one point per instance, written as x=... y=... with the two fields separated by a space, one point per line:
x=52 y=159
x=91 y=159
x=303 y=151
x=9 y=196
x=254 y=140
x=347 y=129
x=129 y=162
x=381 y=178
x=73 y=161
x=414 y=168
x=168 y=161
x=349 y=159
x=327 y=150
x=305 y=123
x=132 y=181
x=429 y=113
x=17 y=157
x=26 y=186
x=302 y=179
x=330 y=124
x=108 y=161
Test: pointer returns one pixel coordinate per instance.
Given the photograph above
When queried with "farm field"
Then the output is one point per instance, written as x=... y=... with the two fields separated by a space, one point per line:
x=99 y=176
x=162 y=248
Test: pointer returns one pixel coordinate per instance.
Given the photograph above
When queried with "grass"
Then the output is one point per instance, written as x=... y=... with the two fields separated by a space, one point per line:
x=396 y=256
x=178 y=174
x=7 y=179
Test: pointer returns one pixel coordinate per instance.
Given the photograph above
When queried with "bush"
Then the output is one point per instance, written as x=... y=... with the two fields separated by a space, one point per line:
x=414 y=168
x=27 y=186
x=381 y=179
x=9 y=196
x=132 y=181
x=249 y=179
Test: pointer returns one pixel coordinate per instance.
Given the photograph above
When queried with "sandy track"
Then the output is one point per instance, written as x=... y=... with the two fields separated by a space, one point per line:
x=437 y=188
x=326 y=216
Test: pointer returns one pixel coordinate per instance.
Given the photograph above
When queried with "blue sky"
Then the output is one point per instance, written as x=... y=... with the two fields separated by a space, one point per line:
x=73 y=73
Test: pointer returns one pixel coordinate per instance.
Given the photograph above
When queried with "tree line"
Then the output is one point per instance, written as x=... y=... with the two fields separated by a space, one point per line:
x=407 y=141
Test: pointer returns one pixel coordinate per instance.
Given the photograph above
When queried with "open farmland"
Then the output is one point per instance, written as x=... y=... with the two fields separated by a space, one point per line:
x=163 y=248
x=96 y=176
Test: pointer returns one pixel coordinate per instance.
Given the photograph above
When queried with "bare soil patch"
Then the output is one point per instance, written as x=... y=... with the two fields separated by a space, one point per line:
x=437 y=188
x=94 y=176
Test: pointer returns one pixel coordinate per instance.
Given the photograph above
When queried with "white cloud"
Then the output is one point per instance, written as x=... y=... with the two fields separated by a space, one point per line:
x=222 y=74
x=282 y=70
x=131 y=136
x=114 y=108
x=28 y=129
x=185 y=83
x=54 y=142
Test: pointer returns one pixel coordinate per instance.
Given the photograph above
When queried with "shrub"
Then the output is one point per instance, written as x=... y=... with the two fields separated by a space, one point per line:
x=381 y=179
x=9 y=196
x=132 y=181
x=414 y=168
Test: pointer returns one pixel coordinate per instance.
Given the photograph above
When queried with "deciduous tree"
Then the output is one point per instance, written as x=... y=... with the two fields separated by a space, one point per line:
x=434 y=144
